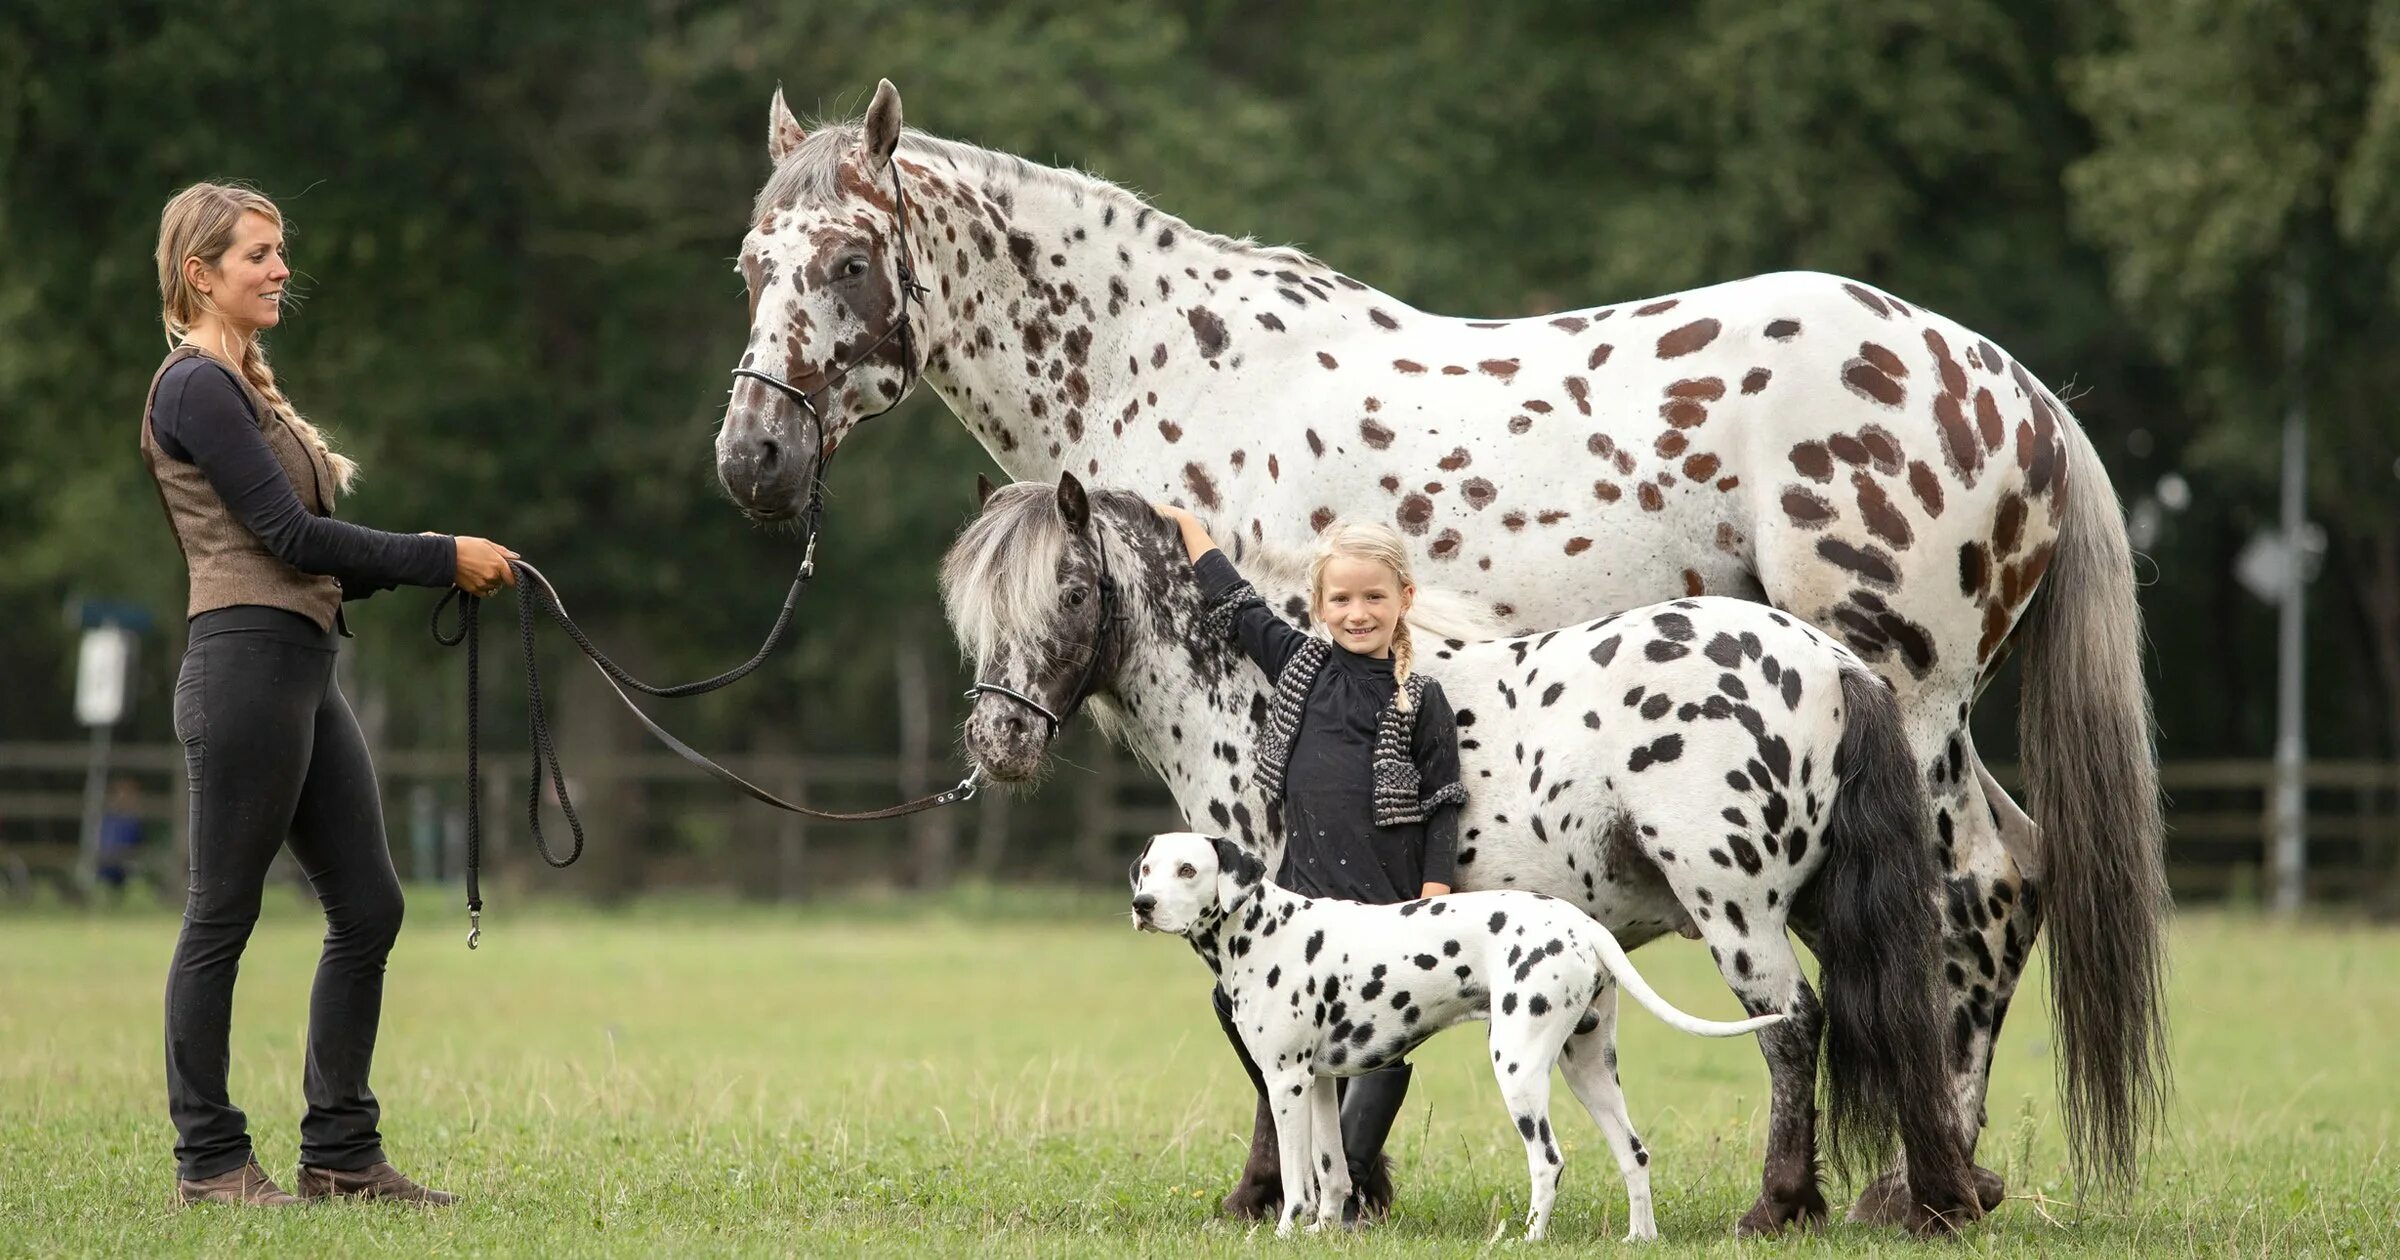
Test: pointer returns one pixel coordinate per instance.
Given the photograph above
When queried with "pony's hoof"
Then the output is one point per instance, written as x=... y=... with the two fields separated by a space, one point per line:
x=1887 y=1201
x=1771 y=1216
x=1254 y=1198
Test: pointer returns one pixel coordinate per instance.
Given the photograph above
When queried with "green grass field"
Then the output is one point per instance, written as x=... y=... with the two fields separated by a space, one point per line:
x=1024 y=1075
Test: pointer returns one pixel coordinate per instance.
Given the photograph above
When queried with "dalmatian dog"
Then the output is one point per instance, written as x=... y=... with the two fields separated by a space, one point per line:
x=1324 y=988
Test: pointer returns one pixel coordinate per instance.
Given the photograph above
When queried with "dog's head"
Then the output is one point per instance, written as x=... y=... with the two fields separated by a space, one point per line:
x=1184 y=880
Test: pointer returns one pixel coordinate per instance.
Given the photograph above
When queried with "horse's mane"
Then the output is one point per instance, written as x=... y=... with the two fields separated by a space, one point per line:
x=811 y=173
x=1000 y=579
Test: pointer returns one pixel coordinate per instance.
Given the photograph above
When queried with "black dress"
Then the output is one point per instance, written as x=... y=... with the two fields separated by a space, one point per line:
x=1332 y=845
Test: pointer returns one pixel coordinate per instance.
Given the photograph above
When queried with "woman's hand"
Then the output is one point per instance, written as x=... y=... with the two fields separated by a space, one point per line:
x=1196 y=542
x=483 y=566
x=1435 y=890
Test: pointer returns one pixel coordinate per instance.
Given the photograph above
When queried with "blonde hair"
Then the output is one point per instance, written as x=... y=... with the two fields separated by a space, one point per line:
x=1376 y=544
x=199 y=222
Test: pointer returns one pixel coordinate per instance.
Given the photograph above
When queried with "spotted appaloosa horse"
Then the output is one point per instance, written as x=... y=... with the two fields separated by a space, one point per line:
x=1710 y=765
x=1798 y=439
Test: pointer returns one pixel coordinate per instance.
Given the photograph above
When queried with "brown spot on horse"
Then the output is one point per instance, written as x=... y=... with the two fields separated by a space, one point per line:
x=1652 y=500
x=1502 y=368
x=1409 y=366
x=1700 y=467
x=1688 y=339
x=1783 y=329
x=1866 y=298
x=1478 y=492
x=1755 y=380
x=1577 y=546
x=1416 y=511
x=1457 y=458
x=1375 y=435
x=1580 y=394
x=1196 y=479
x=1607 y=491
x=1875 y=508
x=1813 y=461
x=1807 y=510
x=1327 y=360
x=1927 y=487
x=1600 y=355
x=1208 y=332
x=1656 y=308
x=1692 y=585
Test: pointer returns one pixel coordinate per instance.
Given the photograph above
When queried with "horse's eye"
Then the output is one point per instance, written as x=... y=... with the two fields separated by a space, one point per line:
x=1185 y=871
x=1076 y=597
x=854 y=266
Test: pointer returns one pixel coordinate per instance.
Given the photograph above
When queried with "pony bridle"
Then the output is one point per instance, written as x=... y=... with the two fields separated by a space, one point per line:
x=910 y=291
x=1086 y=682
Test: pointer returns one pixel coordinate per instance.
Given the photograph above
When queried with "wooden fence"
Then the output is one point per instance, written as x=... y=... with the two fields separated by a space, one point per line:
x=656 y=822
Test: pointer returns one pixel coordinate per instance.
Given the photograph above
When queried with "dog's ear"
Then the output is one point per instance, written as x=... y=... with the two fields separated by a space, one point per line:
x=1133 y=873
x=1237 y=863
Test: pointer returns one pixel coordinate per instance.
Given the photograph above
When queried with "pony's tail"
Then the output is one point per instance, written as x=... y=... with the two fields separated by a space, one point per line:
x=2092 y=788
x=1879 y=948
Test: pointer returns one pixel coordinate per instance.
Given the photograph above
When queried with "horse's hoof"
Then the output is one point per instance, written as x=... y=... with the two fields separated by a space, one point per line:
x=1989 y=1189
x=1254 y=1199
x=1887 y=1201
x=1771 y=1216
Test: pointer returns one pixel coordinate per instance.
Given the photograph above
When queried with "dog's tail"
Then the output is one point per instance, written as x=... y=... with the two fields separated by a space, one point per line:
x=1879 y=945
x=1612 y=956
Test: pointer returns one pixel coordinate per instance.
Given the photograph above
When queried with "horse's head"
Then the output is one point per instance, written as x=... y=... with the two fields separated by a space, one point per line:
x=1030 y=591
x=831 y=335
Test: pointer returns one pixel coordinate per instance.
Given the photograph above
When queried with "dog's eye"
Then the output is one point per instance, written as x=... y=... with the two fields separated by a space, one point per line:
x=1186 y=871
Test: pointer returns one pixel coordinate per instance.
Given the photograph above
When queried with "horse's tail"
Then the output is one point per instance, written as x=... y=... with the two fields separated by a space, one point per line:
x=1879 y=948
x=2092 y=783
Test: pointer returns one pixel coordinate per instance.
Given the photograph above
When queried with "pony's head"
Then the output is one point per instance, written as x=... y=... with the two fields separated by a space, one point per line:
x=824 y=265
x=1040 y=605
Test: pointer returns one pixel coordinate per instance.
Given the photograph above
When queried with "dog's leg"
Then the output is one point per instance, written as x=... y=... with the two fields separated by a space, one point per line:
x=1259 y=1190
x=1288 y=1091
x=1589 y=1062
x=1333 y=1169
x=1521 y=1060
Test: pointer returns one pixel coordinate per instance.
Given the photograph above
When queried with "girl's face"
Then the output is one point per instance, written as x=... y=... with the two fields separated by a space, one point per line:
x=1361 y=603
x=246 y=285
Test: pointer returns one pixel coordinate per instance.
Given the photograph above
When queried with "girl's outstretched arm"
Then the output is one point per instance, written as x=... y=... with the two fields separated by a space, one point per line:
x=1264 y=637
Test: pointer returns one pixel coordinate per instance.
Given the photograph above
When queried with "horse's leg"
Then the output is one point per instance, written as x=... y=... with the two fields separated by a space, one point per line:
x=1765 y=973
x=1259 y=1191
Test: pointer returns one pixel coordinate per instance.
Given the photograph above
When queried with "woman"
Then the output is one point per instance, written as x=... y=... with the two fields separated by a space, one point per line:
x=272 y=751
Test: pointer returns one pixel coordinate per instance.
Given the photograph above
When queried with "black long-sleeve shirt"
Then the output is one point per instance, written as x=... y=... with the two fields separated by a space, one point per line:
x=1332 y=845
x=203 y=417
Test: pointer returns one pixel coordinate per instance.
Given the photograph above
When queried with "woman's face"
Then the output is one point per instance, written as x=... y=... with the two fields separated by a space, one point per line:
x=1361 y=603
x=246 y=285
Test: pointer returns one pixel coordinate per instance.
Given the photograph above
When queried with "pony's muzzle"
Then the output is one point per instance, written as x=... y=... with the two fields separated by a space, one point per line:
x=1007 y=739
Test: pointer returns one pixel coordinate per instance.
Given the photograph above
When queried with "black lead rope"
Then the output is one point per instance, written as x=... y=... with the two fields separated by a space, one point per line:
x=535 y=591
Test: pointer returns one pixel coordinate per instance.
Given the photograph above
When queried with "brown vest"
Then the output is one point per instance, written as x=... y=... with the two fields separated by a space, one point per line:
x=228 y=564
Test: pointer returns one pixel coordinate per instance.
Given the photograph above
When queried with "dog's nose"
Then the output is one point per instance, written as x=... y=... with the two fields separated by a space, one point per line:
x=1144 y=904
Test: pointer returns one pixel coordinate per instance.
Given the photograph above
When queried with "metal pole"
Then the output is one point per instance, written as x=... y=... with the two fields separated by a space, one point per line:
x=95 y=803
x=2290 y=809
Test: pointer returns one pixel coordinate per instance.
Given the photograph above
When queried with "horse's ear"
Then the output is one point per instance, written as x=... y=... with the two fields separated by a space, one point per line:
x=784 y=133
x=882 y=136
x=983 y=490
x=1072 y=503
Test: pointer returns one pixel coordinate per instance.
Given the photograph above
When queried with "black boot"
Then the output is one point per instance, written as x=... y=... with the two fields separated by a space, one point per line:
x=1368 y=1108
x=1258 y=1194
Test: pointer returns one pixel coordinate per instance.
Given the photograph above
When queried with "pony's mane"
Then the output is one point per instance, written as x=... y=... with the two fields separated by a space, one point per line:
x=811 y=173
x=1000 y=579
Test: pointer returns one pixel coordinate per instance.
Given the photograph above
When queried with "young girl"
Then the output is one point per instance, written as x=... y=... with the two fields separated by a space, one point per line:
x=1362 y=750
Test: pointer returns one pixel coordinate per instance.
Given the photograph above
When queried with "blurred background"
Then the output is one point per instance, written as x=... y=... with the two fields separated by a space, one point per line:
x=513 y=227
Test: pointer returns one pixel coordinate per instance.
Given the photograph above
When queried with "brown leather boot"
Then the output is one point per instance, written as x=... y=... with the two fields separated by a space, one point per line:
x=247 y=1185
x=379 y=1181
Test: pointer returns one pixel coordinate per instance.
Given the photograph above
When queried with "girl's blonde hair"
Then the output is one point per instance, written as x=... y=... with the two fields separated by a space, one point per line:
x=1378 y=544
x=199 y=222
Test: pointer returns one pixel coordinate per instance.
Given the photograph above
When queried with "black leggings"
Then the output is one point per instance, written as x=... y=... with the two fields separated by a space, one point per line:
x=275 y=757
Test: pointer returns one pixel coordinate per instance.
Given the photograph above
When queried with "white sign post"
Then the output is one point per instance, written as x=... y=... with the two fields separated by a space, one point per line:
x=103 y=670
